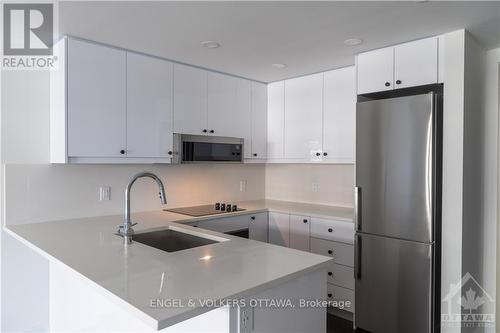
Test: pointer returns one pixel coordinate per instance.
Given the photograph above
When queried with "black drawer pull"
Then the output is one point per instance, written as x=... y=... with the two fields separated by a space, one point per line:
x=330 y=273
x=330 y=295
x=330 y=252
x=330 y=230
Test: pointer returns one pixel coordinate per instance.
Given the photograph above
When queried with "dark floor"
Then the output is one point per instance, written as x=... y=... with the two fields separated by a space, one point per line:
x=338 y=325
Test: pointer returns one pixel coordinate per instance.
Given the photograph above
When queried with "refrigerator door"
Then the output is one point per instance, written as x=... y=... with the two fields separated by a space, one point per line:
x=394 y=167
x=393 y=285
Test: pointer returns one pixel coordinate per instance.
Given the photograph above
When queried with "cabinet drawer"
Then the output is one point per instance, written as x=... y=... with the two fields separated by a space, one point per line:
x=341 y=231
x=341 y=253
x=223 y=224
x=344 y=296
x=341 y=275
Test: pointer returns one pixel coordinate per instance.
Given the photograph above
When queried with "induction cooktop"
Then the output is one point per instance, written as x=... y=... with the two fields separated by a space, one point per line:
x=204 y=210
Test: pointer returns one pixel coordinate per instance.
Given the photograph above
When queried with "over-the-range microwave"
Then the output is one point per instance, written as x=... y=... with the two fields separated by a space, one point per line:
x=207 y=149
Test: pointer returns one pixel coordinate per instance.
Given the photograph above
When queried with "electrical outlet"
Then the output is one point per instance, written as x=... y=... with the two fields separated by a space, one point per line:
x=104 y=193
x=243 y=185
x=315 y=187
x=246 y=320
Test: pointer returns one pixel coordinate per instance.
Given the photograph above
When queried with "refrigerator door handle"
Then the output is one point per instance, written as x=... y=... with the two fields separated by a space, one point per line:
x=357 y=257
x=357 y=207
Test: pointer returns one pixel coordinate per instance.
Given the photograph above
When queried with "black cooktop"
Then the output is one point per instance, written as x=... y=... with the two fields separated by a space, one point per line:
x=204 y=210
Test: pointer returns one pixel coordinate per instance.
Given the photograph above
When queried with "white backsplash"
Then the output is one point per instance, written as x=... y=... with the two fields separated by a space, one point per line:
x=311 y=183
x=42 y=192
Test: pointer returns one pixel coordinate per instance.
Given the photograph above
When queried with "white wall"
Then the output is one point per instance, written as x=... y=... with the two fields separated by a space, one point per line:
x=294 y=182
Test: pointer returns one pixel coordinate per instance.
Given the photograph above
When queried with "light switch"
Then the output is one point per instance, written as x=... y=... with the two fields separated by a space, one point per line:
x=243 y=185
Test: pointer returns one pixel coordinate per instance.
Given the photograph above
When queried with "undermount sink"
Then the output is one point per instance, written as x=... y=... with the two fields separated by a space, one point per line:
x=170 y=240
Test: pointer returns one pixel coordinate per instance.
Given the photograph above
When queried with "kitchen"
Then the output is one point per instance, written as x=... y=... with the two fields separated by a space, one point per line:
x=275 y=133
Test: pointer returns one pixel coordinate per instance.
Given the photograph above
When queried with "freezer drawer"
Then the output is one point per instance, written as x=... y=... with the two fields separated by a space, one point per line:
x=341 y=253
x=393 y=276
x=395 y=167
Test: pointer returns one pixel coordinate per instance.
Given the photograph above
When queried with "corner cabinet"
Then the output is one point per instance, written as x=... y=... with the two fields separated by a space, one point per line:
x=405 y=65
x=109 y=105
x=312 y=119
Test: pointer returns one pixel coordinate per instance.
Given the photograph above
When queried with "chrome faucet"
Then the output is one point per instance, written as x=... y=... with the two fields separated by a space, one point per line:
x=125 y=230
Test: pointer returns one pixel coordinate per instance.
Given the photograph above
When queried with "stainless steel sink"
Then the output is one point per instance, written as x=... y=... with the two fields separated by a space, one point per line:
x=171 y=240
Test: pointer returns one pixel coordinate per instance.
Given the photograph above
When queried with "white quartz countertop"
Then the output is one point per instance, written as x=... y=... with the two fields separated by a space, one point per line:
x=134 y=276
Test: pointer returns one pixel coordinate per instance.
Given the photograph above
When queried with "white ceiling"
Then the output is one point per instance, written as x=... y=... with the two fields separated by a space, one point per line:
x=307 y=36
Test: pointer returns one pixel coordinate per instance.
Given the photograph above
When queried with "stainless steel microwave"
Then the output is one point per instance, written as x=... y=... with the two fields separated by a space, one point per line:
x=207 y=149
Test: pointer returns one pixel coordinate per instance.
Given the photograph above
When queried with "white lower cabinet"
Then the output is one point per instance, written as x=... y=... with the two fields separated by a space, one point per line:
x=258 y=227
x=279 y=229
x=300 y=234
x=341 y=275
x=340 y=252
x=343 y=296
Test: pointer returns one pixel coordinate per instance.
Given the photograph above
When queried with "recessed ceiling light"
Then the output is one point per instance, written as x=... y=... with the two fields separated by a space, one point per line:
x=209 y=44
x=279 y=66
x=353 y=41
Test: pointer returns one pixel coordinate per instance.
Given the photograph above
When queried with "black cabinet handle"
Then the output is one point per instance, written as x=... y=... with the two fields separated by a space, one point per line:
x=204 y=131
x=398 y=81
x=387 y=84
x=330 y=273
x=325 y=154
x=212 y=131
x=170 y=152
x=330 y=230
x=318 y=154
x=122 y=151
x=330 y=252
x=253 y=217
x=305 y=220
x=255 y=154
x=329 y=295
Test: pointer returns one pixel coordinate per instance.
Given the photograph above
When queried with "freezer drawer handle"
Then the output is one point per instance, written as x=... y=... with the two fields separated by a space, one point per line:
x=357 y=207
x=357 y=257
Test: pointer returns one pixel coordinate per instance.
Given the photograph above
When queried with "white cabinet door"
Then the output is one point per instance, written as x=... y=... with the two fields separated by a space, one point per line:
x=259 y=120
x=190 y=100
x=299 y=232
x=258 y=227
x=279 y=229
x=375 y=70
x=339 y=115
x=149 y=106
x=416 y=63
x=303 y=117
x=229 y=111
x=275 y=119
x=96 y=100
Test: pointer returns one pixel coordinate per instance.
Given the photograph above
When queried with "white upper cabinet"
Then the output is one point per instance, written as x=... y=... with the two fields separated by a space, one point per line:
x=149 y=106
x=275 y=119
x=190 y=100
x=259 y=120
x=339 y=115
x=229 y=113
x=401 y=66
x=416 y=63
x=96 y=87
x=375 y=70
x=303 y=117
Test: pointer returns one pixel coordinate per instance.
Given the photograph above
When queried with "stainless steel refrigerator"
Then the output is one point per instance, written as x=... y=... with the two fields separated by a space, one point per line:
x=397 y=205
